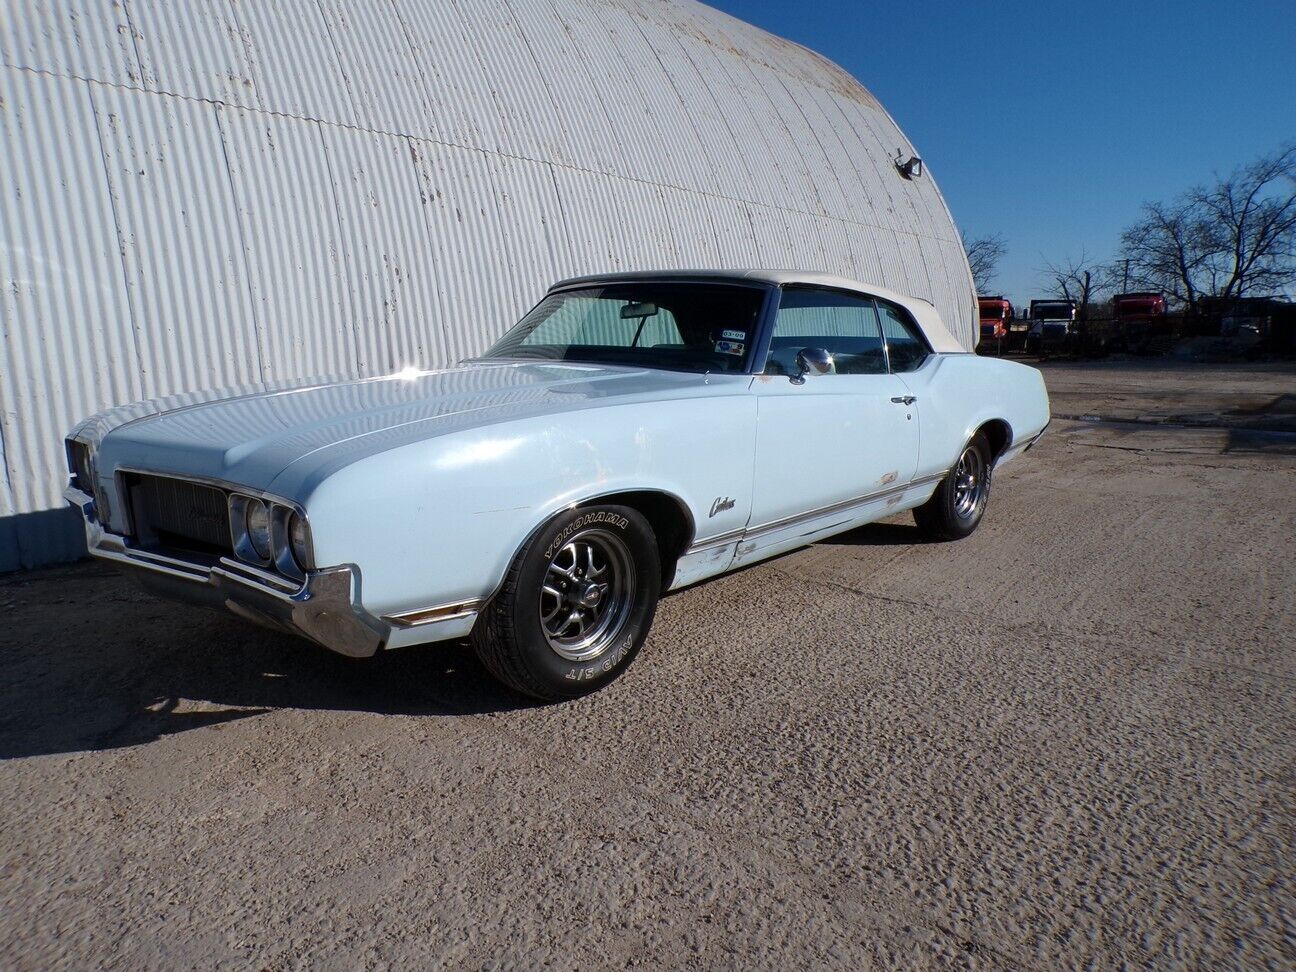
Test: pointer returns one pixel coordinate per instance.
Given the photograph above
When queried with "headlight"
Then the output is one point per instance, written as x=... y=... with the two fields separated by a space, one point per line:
x=82 y=472
x=257 y=519
x=299 y=539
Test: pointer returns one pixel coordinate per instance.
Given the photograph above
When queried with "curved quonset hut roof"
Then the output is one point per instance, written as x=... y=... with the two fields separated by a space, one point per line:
x=218 y=193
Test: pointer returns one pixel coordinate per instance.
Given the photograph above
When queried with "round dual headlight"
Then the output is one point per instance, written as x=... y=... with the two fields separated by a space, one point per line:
x=257 y=520
x=299 y=540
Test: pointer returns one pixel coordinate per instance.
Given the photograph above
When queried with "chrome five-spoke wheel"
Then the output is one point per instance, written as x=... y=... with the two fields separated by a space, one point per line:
x=959 y=502
x=971 y=483
x=576 y=604
x=587 y=594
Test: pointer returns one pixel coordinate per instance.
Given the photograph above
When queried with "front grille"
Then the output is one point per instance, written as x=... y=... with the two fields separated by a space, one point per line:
x=178 y=513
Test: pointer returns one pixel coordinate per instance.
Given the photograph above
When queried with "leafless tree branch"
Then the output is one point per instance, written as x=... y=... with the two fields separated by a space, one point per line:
x=1233 y=239
x=983 y=255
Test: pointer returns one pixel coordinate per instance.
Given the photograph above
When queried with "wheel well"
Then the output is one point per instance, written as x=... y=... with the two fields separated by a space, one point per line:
x=999 y=434
x=670 y=519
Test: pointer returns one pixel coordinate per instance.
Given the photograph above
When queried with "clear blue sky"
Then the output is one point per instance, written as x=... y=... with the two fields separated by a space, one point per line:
x=1051 y=122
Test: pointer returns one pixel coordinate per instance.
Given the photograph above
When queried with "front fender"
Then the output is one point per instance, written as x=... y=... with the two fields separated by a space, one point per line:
x=439 y=521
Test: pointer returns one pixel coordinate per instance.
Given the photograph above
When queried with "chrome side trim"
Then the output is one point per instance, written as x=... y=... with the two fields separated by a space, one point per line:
x=845 y=505
x=431 y=615
x=718 y=540
x=764 y=529
x=1038 y=435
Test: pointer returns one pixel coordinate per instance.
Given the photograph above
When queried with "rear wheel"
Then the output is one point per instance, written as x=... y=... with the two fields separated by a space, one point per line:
x=959 y=502
x=576 y=605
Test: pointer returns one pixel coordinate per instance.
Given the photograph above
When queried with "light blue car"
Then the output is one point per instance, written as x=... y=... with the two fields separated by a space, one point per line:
x=633 y=434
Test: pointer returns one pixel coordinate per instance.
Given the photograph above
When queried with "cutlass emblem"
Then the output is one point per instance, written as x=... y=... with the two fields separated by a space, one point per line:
x=721 y=504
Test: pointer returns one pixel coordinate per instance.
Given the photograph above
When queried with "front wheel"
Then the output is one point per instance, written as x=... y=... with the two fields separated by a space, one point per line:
x=959 y=502
x=575 y=606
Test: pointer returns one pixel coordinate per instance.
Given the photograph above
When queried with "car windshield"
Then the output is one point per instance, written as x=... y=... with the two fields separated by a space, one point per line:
x=651 y=324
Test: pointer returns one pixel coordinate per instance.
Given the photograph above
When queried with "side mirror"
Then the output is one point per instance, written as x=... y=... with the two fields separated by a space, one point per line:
x=812 y=361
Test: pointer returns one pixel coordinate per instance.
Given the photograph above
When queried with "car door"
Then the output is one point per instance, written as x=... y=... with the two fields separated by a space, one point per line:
x=834 y=447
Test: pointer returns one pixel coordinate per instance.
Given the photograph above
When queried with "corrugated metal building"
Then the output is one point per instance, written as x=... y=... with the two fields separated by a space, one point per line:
x=220 y=192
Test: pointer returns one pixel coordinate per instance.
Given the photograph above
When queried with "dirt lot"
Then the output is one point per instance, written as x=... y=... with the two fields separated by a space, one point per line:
x=1069 y=740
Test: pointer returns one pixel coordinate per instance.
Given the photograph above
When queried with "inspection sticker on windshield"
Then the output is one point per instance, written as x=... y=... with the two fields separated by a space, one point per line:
x=734 y=335
x=730 y=347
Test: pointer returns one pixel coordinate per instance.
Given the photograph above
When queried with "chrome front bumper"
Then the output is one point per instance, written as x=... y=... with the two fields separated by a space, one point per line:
x=324 y=609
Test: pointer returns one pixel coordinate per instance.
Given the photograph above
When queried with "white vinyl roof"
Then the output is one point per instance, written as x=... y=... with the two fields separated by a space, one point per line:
x=928 y=318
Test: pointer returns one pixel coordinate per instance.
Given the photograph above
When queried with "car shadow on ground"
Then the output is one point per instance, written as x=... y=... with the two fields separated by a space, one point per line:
x=89 y=662
x=881 y=535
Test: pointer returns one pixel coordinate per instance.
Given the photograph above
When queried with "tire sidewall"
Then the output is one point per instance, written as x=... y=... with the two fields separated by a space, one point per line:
x=956 y=524
x=562 y=676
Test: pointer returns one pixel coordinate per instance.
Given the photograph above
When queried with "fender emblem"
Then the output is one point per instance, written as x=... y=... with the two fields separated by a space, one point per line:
x=721 y=504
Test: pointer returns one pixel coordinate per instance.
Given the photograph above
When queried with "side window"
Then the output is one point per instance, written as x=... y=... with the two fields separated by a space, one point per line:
x=905 y=345
x=845 y=326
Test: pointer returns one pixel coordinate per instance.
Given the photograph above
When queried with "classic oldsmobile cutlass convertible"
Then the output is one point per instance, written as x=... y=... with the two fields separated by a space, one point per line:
x=632 y=434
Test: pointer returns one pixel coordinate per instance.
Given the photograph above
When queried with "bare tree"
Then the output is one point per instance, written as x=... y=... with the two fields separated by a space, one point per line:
x=983 y=255
x=1252 y=216
x=1079 y=280
x=1170 y=249
x=1229 y=240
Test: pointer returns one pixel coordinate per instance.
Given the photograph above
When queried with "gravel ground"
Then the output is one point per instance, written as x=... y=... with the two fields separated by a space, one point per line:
x=1066 y=741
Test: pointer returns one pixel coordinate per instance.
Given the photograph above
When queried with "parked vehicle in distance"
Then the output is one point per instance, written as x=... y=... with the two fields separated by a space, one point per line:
x=1267 y=324
x=634 y=433
x=996 y=317
x=1052 y=327
x=1139 y=320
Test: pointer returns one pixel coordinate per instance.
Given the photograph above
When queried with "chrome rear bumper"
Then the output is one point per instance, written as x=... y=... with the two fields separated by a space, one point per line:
x=325 y=608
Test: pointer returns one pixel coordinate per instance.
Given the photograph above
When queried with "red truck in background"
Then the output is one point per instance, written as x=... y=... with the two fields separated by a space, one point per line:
x=1140 y=319
x=996 y=316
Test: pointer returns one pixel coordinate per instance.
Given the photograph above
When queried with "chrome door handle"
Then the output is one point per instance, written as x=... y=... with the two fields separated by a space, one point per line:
x=904 y=400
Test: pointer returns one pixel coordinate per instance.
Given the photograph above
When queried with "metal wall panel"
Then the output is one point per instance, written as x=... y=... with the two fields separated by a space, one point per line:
x=533 y=249
x=740 y=100
x=711 y=128
x=183 y=260
x=460 y=209
x=799 y=151
x=224 y=193
x=631 y=109
x=520 y=65
x=382 y=76
x=69 y=346
x=196 y=49
x=389 y=258
x=72 y=38
x=455 y=82
x=288 y=222
x=289 y=49
x=731 y=226
x=915 y=280
x=614 y=224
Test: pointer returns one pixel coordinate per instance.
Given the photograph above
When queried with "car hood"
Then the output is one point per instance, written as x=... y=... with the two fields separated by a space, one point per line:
x=251 y=438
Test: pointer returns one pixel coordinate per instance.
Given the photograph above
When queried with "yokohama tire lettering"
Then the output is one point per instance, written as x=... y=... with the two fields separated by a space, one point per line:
x=603 y=517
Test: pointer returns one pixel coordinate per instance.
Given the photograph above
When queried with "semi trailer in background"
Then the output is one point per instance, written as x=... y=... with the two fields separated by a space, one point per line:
x=1052 y=326
x=996 y=314
x=1139 y=321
